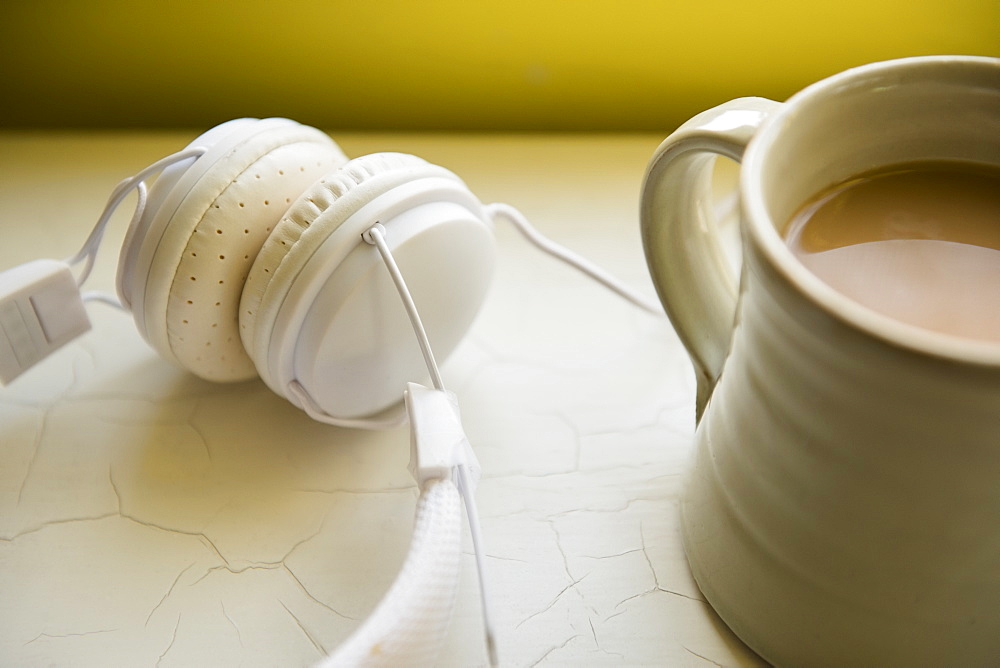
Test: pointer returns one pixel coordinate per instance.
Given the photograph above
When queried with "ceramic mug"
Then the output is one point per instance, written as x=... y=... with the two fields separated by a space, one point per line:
x=843 y=507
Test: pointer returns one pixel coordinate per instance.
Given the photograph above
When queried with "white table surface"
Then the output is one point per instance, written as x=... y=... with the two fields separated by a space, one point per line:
x=151 y=518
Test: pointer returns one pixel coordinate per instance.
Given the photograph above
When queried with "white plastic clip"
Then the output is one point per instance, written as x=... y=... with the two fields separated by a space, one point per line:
x=41 y=310
x=437 y=440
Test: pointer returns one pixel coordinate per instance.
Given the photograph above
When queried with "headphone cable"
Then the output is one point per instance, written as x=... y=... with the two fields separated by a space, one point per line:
x=578 y=262
x=375 y=236
x=137 y=182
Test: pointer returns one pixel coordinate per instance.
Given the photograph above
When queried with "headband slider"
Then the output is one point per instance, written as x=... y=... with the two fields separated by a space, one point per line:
x=41 y=310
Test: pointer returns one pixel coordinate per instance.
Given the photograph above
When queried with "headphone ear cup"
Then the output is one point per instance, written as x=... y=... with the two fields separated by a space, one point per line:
x=203 y=233
x=318 y=308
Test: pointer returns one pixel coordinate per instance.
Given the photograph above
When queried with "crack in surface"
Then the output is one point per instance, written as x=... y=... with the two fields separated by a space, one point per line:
x=577 y=438
x=654 y=590
x=170 y=590
x=205 y=540
x=632 y=598
x=555 y=600
x=225 y=614
x=611 y=556
x=554 y=649
x=45 y=525
x=559 y=547
x=36 y=449
x=519 y=473
x=68 y=635
x=677 y=593
x=275 y=566
x=198 y=432
x=312 y=598
x=532 y=513
x=152 y=525
x=645 y=553
x=173 y=638
x=499 y=558
x=620 y=612
x=704 y=658
x=608 y=652
x=260 y=566
x=316 y=643
x=318 y=531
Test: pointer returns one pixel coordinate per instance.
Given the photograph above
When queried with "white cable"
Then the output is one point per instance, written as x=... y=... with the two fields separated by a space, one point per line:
x=376 y=236
x=88 y=252
x=521 y=224
x=465 y=488
x=109 y=299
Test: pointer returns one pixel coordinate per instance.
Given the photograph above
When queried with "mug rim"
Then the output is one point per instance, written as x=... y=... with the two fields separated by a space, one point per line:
x=764 y=233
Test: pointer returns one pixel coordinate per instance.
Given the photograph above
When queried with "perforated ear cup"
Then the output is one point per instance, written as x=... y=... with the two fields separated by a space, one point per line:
x=315 y=279
x=307 y=224
x=212 y=231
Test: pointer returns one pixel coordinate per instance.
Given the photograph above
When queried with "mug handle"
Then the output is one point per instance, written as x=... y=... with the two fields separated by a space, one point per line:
x=694 y=281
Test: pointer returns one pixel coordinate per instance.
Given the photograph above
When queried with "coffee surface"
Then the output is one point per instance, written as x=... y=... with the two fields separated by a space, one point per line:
x=918 y=242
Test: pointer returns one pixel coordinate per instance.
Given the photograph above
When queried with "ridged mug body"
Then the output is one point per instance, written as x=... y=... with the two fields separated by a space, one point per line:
x=844 y=504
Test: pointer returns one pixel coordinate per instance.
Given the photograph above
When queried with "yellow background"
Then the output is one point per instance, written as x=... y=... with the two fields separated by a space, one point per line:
x=448 y=65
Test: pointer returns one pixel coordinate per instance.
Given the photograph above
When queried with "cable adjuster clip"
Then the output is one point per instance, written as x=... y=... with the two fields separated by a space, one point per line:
x=438 y=442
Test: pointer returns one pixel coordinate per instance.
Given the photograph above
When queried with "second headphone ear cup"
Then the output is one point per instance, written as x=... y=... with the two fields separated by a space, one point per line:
x=201 y=243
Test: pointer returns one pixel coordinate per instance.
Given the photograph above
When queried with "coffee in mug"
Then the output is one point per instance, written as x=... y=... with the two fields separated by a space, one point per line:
x=918 y=242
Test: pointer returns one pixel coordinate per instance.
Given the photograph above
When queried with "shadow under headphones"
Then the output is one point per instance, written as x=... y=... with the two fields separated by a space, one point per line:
x=260 y=249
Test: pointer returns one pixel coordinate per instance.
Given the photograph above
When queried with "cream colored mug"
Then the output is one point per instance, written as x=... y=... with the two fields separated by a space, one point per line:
x=843 y=507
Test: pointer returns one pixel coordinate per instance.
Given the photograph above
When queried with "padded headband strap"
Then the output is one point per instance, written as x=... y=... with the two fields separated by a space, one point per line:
x=410 y=623
x=137 y=182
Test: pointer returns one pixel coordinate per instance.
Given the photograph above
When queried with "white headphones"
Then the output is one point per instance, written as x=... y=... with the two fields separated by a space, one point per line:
x=261 y=249
x=249 y=261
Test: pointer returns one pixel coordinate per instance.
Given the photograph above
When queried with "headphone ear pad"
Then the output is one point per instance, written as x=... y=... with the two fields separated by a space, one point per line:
x=212 y=231
x=308 y=222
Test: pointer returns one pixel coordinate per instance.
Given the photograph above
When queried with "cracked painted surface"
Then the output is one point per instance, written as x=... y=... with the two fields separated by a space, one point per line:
x=151 y=518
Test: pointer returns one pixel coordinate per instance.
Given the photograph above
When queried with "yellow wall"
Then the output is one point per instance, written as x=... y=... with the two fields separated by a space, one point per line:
x=451 y=64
